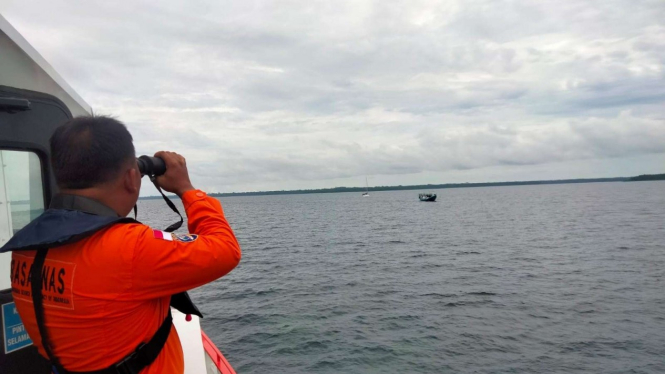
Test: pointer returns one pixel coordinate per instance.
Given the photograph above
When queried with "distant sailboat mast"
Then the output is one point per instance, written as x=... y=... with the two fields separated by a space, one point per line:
x=366 y=193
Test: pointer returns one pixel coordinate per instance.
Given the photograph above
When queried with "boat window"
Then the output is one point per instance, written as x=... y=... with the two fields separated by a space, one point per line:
x=21 y=191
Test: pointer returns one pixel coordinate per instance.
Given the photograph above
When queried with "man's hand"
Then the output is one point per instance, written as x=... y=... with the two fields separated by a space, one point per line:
x=176 y=178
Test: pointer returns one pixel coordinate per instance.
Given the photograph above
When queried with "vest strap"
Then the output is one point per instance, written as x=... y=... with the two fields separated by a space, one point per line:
x=38 y=304
x=144 y=355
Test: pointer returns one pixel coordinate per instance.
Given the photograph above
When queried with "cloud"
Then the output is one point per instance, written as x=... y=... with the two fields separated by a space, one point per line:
x=262 y=95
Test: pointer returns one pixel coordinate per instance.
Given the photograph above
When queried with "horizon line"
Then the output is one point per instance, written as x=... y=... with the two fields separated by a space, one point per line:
x=341 y=189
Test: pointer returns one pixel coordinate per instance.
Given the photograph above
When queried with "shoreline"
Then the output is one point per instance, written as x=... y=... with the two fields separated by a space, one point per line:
x=417 y=187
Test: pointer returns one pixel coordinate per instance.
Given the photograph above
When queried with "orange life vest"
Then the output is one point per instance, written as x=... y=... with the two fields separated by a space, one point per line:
x=106 y=294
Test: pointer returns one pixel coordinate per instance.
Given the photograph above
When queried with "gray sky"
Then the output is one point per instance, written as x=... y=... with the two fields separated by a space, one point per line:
x=265 y=95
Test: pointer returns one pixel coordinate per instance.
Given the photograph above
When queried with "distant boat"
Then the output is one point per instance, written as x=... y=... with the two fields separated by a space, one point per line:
x=366 y=193
x=427 y=197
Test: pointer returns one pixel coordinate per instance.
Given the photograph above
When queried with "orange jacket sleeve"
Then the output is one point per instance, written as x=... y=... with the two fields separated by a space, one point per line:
x=162 y=267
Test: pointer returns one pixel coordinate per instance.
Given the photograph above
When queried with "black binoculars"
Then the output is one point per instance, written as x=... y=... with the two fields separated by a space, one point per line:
x=151 y=166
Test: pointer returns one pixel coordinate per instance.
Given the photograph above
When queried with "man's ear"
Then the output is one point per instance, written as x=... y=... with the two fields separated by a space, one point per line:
x=132 y=180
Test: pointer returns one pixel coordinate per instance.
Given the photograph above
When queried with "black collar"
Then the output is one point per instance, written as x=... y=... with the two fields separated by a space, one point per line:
x=81 y=203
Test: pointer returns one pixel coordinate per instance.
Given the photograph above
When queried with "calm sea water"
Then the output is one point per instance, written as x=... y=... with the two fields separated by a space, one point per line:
x=529 y=279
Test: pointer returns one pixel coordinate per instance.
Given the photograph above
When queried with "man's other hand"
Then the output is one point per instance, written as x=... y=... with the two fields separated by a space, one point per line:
x=176 y=178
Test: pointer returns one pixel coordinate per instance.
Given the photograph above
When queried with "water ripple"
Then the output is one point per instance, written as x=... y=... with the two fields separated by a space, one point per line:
x=523 y=279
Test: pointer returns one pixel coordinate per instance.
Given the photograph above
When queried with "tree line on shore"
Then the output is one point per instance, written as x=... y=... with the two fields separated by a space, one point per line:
x=646 y=177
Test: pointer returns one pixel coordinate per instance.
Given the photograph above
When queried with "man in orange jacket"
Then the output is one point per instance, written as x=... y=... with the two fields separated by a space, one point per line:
x=109 y=293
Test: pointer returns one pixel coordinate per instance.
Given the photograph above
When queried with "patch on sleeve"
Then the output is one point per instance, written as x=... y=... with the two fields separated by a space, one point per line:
x=163 y=235
x=186 y=238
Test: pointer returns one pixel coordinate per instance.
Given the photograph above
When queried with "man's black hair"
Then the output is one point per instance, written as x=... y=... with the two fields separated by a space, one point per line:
x=88 y=151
